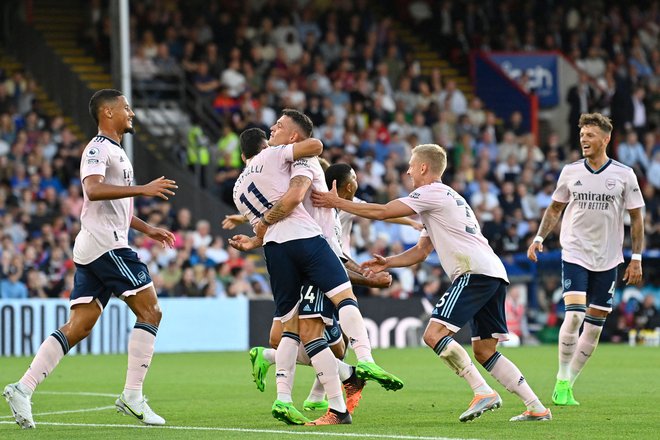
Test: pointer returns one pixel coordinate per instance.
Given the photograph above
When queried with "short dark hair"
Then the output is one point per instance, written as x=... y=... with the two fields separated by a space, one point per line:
x=301 y=120
x=100 y=98
x=339 y=172
x=252 y=141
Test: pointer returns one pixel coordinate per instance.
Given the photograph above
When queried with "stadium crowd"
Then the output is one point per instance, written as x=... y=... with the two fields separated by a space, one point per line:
x=345 y=67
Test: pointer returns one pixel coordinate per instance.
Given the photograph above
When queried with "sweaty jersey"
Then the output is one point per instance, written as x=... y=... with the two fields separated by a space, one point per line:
x=263 y=182
x=104 y=223
x=454 y=231
x=327 y=218
x=592 y=227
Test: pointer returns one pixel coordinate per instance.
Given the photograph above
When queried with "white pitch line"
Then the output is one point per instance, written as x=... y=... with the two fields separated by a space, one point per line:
x=77 y=393
x=255 y=431
x=69 y=411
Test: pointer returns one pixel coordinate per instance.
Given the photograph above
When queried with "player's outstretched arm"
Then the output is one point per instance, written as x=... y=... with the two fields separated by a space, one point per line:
x=379 y=280
x=548 y=222
x=374 y=211
x=633 y=273
x=162 y=236
x=96 y=189
x=414 y=255
x=357 y=277
x=308 y=147
x=406 y=221
x=232 y=220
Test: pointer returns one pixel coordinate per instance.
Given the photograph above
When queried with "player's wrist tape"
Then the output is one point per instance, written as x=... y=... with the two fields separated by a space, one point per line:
x=637 y=257
x=538 y=239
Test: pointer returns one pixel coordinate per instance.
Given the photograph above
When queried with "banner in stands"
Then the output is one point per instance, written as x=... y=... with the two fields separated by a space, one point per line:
x=188 y=324
x=541 y=68
x=390 y=322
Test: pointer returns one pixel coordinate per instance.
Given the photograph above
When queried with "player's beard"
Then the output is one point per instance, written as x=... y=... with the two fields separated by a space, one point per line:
x=130 y=130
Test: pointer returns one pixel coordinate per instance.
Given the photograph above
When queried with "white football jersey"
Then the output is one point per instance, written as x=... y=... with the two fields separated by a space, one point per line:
x=104 y=223
x=263 y=182
x=454 y=231
x=592 y=227
x=327 y=218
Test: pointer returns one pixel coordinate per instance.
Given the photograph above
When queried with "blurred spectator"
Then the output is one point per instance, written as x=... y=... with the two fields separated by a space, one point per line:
x=646 y=315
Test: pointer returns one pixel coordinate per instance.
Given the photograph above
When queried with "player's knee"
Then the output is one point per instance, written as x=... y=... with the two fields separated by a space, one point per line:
x=274 y=340
x=339 y=349
x=151 y=314
x=431 y=338
x=482 y=354
x=77 y=330
x=311 y=329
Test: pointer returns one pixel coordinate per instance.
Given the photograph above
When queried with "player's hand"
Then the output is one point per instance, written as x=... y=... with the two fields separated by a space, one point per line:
x=633 y=274
x=326 y=199
x=417 y=225
x=375 y=265
x=533 y=248
x=244 y=243
x=380 y=279
x=163 y=236
x=160 y=187
x=232 y=220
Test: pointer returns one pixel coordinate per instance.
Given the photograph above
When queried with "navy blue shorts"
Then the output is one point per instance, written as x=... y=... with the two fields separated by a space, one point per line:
x=314 y=304
x=294 y=262
x=477 y=299
x=597 y=286
x=119 y=272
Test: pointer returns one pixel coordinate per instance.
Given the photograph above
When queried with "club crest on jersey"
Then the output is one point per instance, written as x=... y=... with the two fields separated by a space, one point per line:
x=142 y=276
x=610 y=184
x=567 y=284
x=93 y=152
x=414 y=195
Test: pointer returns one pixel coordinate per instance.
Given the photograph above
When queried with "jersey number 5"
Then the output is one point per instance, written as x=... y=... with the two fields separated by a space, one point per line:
x=254 y=190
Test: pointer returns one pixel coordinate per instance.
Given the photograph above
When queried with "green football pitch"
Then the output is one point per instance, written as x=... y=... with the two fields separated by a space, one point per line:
x=211 y=395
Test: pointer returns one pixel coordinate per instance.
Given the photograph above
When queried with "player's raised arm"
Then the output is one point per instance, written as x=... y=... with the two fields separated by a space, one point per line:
x=308 y=147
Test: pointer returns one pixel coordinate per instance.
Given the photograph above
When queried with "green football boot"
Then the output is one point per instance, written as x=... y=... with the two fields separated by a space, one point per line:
x=260 y=367
x=371 y=371
x=309 y=405
x=563 y=394
x=287 y=413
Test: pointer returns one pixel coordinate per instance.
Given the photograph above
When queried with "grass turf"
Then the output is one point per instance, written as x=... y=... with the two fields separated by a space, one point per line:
x=211 y=395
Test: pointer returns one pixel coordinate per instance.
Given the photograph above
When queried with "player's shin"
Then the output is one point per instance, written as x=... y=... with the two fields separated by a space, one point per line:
x=327 y=372
x=51 y=351
x=510 y=377
x=352 y=323
x=593 y=326
x=459 y=361
x=140 y=352
x=568 y=337
x=285 y=362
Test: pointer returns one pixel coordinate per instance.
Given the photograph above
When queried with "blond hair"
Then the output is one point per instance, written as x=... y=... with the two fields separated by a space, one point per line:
x=434 y=156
